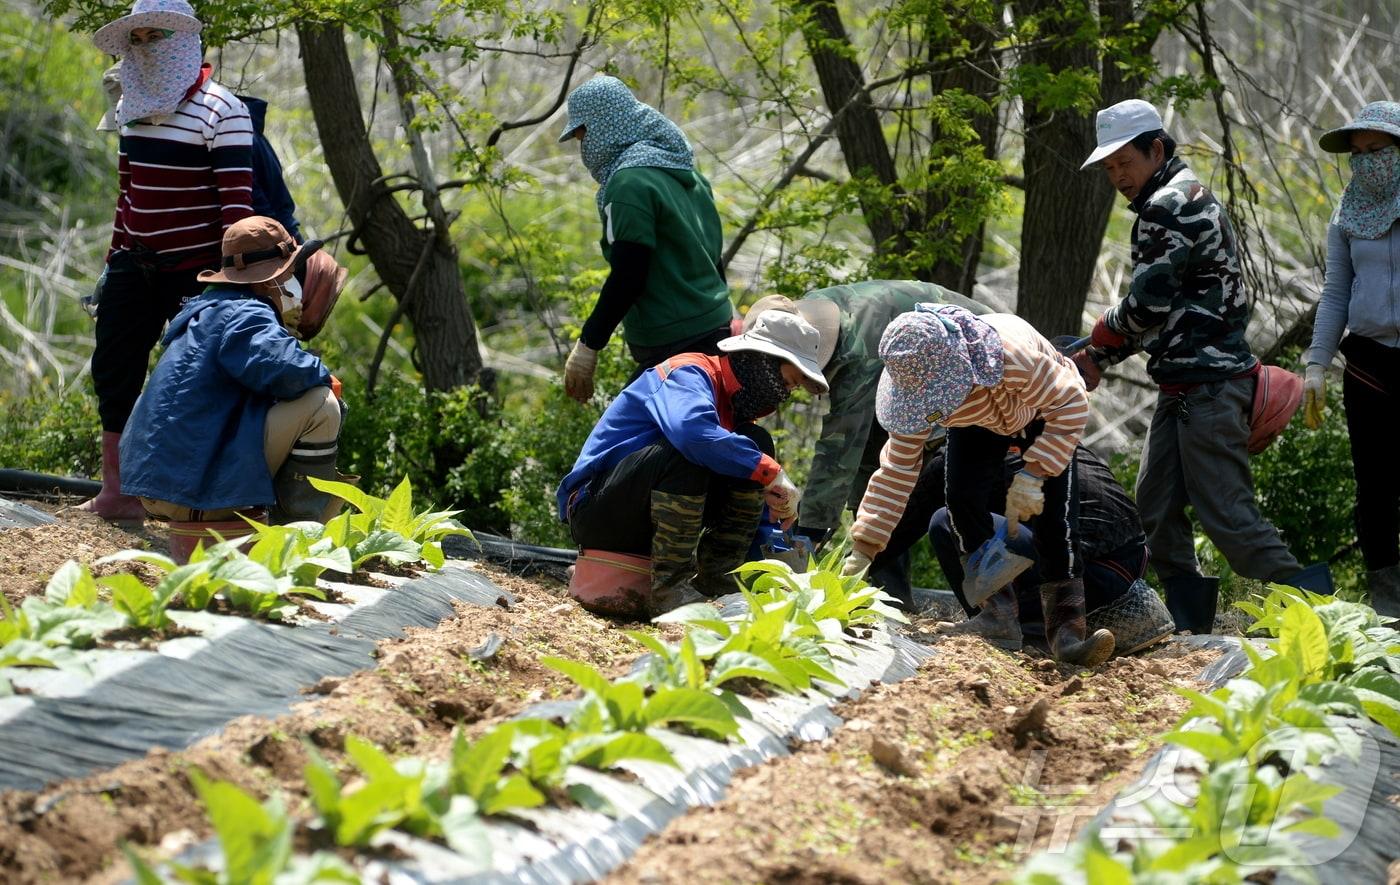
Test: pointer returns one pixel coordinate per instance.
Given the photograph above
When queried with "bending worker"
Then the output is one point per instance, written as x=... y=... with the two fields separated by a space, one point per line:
x=994 y=382
x=237 y=414
x=678 y=452
x=851 y=318
x=661 y=235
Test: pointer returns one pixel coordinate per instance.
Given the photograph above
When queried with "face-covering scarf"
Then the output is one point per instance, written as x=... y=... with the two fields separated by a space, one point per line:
x=622 y=132
x=763 y=388
x=1371 y=201
x=156 y=76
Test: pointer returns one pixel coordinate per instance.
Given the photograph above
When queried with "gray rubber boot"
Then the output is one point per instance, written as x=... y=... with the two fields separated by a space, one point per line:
x=1384 y=585
x=998 y=622
x=297 y=499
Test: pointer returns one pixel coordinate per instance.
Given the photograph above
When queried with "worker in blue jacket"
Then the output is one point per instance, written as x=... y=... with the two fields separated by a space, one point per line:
x=678 y=452
x=237 y=414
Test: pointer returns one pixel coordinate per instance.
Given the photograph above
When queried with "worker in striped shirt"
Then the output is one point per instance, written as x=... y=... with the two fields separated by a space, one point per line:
x=994 y=383
x=185 y=175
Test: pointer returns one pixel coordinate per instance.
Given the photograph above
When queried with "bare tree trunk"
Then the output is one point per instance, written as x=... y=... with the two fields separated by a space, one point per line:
x=973 y=75
x=1066 y=210
x=418 y=266
x=858 y=130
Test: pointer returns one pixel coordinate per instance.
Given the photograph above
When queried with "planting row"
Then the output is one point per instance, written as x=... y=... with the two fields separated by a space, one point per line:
x=1258 y=736
x=283 y=562
x=785 y=637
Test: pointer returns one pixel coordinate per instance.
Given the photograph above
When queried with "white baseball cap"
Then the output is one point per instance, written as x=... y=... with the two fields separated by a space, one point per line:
x=1121 y=123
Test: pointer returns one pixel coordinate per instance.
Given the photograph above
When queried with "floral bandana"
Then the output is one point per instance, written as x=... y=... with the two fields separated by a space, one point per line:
x=156 y=76
x=1371 y=201
x=622 y=132
x=934 y=355
x=763 y=388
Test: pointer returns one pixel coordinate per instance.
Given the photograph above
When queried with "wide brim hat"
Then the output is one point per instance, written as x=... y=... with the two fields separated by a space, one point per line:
x=1378 y=116
x=786 y=336
x=934 y=355
x=257 y=249
x=114 y=38
x=822 y=313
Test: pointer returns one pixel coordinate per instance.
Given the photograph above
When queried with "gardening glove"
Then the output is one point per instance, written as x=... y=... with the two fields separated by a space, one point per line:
x=1088 y=368
x=1314 y=394
x=856 y=562
x=1023 y=500
x=782 y=496
x=1104 y=337
x=578 y=372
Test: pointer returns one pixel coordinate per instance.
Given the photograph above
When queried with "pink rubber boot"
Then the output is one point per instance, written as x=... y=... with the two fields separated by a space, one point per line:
x=110 y=503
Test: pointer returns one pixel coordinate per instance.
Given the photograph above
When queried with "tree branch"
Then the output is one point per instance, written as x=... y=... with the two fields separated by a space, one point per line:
x=584 y=42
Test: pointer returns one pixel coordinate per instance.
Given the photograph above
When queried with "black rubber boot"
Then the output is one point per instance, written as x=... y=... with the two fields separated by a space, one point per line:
x=678 y=519
x=998 y=622
x=1316 y=578
x=1384 y=585
x=892 y=576
x=297 y=499
x=725 y=544
x=1065 y=628
x=1191 y=599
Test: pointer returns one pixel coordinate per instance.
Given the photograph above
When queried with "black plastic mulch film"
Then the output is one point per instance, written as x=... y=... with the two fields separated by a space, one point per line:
x=262 y=669
x=1365 y=808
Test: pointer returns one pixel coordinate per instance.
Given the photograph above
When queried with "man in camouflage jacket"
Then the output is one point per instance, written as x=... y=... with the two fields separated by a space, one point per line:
x=851 y=319
x=1186 y=306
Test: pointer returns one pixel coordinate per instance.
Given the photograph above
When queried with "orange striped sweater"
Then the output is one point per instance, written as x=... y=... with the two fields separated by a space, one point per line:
x=1038 y=382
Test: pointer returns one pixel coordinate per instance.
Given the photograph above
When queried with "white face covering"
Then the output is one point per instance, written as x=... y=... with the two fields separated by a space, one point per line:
x=290 y=297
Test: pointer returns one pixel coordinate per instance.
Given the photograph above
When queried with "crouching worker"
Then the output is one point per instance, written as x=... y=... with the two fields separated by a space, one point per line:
x=995 y=383
x=237 y=414
x=672 y=481
x=1114 y=548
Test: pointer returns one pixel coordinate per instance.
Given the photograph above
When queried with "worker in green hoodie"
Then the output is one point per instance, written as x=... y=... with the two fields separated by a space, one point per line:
x=661 y=235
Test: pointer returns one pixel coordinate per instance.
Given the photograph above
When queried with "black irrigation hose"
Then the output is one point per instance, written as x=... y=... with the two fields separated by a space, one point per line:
x=29 y=481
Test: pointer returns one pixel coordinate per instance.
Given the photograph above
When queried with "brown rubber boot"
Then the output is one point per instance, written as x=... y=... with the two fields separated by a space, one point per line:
x=998 y=622
x=1063 y=603
x=678 y=519
x=110 y=503
x=725 y=545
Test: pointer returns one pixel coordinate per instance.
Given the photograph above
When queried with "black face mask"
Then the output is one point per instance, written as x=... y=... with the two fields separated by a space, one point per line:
x=763 y=388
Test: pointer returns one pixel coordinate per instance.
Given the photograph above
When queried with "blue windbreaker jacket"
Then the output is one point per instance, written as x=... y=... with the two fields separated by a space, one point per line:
x=196 y=434
x=680 y=409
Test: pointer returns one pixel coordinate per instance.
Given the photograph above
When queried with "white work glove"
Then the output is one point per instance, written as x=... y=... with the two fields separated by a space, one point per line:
x=578 y=372
x=782 y=496
x=1023 y=500
x=856 y=562
x=1314 y=394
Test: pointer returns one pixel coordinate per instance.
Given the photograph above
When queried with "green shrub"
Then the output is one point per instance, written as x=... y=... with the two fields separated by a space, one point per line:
x=51 y=431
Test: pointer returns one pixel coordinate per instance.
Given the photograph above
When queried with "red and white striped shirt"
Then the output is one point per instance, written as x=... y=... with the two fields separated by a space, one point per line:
x=185 y=177
x=1038 y=382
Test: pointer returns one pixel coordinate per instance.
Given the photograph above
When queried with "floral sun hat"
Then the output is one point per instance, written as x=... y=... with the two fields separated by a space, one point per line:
x=934 y=355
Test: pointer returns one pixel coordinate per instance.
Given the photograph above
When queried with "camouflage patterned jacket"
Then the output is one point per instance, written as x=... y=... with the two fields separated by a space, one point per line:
x=842 y=465
x=1186 y=306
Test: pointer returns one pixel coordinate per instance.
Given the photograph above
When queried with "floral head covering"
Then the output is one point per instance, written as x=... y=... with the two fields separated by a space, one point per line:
x=934 y=355
x=156 y=76
x=1371 y=202
x=622 y=132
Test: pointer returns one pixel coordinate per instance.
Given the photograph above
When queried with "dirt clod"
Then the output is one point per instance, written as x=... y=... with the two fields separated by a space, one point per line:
x=891 y=757
x=1030 y=721
x=1075 y=684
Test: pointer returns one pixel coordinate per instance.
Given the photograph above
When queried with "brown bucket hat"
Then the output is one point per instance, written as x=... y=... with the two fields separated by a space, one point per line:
x=257 y=249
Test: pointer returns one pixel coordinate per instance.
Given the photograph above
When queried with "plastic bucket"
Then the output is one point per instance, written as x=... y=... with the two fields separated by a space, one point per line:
x=186 y=535
x=611 y=583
